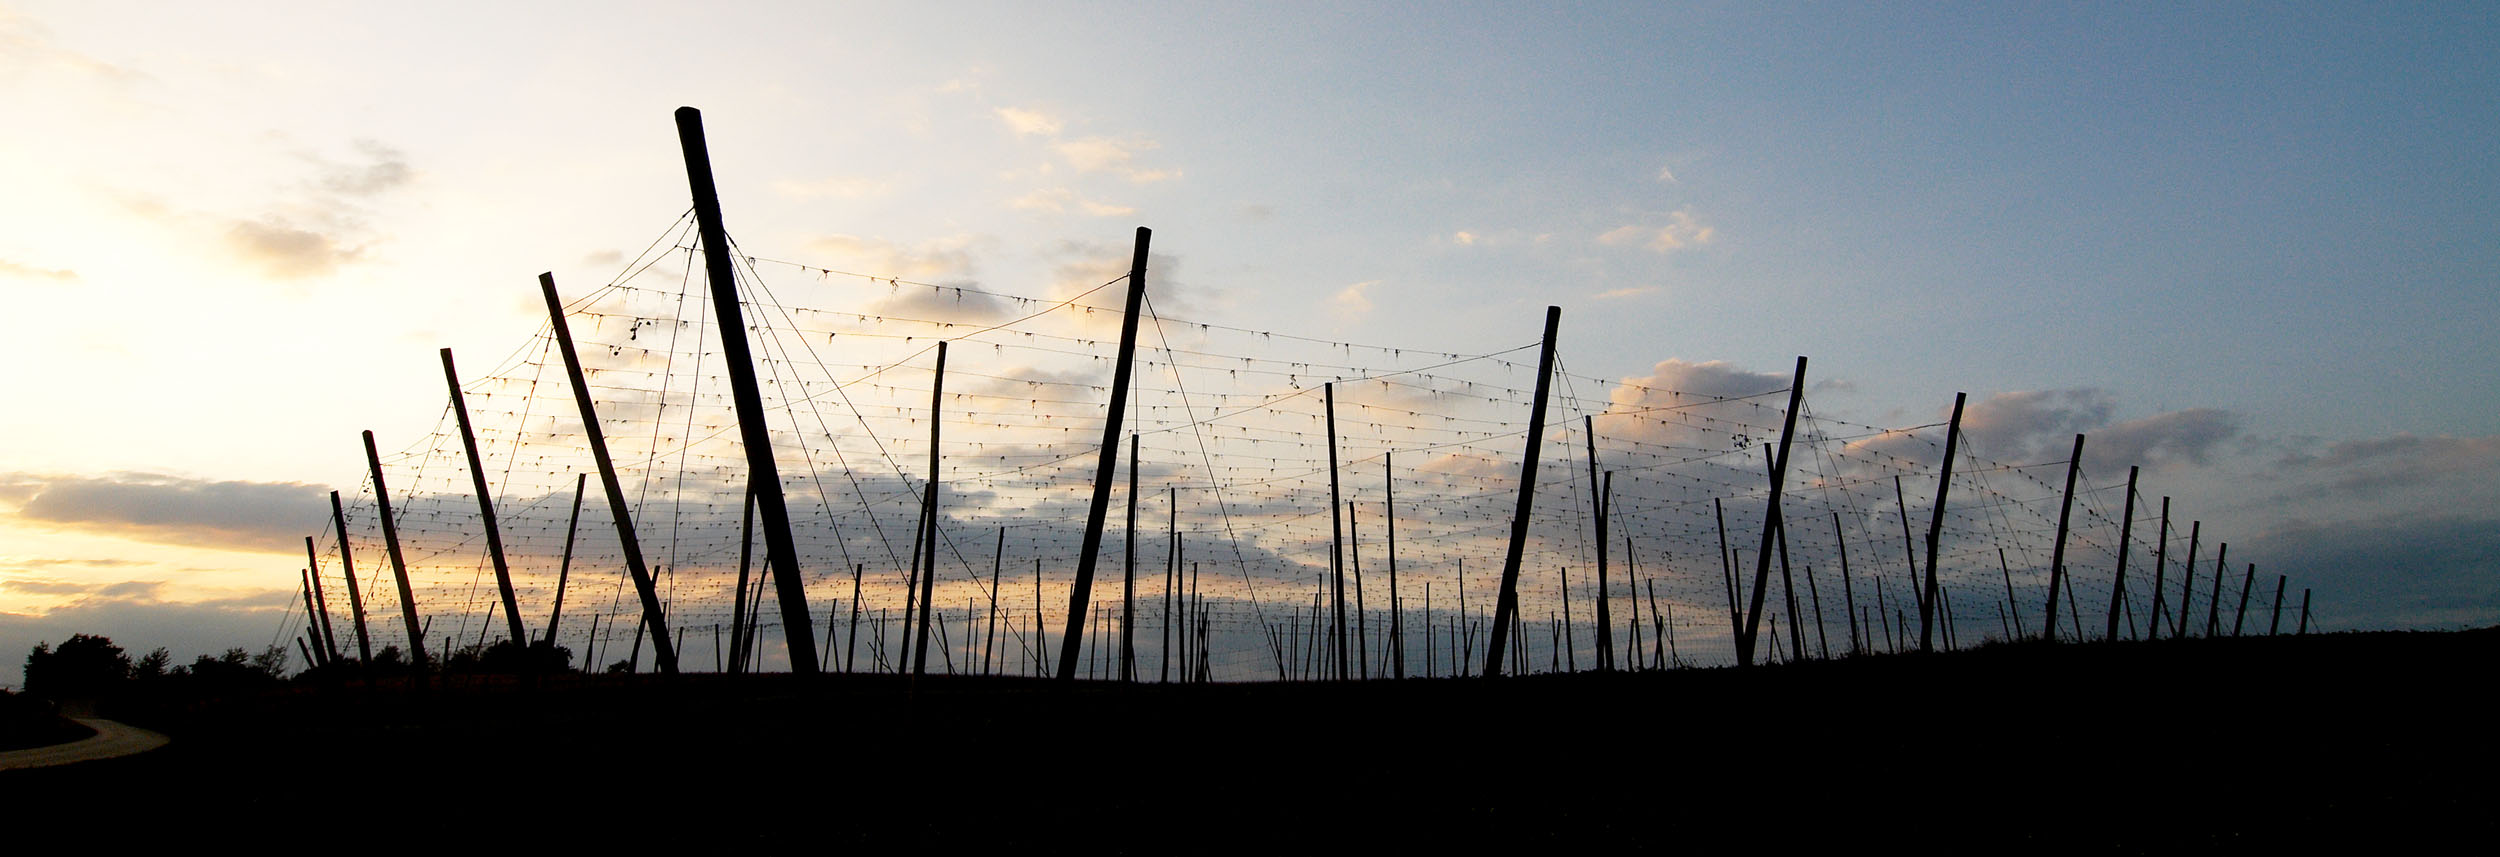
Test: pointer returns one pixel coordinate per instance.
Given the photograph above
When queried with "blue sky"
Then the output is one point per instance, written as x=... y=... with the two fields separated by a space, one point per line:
x=2273 y=220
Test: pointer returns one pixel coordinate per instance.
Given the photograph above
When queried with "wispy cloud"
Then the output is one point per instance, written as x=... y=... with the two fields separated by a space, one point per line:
x=236 y=515
x=1619 y=294
x=1060 y=200
x=1351 y=302
x=1029 y=123
x=15 y=270
x=1116 y=156
x=835 y=187
x=1680 y=232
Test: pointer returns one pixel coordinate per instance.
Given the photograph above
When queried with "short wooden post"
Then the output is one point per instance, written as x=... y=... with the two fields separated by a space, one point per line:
x=2239 y=619
x=2304 y=614
x=2276 y=624
x=1848 y=595
x=317 y=604
x=2187 y=578
x=2213 y=603
x=2161 y=565
x=2126 y=528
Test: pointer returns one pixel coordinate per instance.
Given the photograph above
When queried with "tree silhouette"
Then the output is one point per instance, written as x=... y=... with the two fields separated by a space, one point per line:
x=83 y=664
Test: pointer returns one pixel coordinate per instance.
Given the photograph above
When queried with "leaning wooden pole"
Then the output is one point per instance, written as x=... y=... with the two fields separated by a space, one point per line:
x=399 y=565
x=1771 y=518
x=1128 y=574
x=1072 y=644
x=1848 y=594
x=1935 y=530
x=1336 y=533
x=928 y=544
x=347 y=568
x=564 y=567
x=1506 y=602
x=1397 y=606
x=2239 y=619
x=1597 y=504
x=2161 y=568
x=317 y=607
x=746 y=565
x=781 y=553
x=2057 y=553
x=2275 y=626
x=485 y=504
x=2213 y=602
x=652 y=615
x=998 y=563
x=2187 y=579
x=1727 y=577
x=2126 y=532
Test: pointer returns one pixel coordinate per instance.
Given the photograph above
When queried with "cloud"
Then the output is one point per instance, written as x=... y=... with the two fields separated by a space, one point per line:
x=383 y=169
x=935 y=259
x=1463 y=238
x=1060 y=200
x=1351 y=301
x=2375 y=467
x=136 y=620
x=1029 y=123
x=31 y=272
x=1618 y=294
x=1673 y=387
x=1666 y=174
x=1681 y=232
x=2039 y=426
x=255 y=516
x=281 y=249
x=603 y=258
x=27 y=46
x=1108 y=155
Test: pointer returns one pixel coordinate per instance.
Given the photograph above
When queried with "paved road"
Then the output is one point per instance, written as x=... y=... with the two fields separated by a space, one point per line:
x=111 y=739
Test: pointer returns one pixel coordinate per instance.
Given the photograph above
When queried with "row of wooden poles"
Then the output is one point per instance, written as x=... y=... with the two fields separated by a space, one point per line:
x=1296 y=650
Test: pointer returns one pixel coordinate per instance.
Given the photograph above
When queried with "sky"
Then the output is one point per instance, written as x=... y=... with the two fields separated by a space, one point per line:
x=2245 y=248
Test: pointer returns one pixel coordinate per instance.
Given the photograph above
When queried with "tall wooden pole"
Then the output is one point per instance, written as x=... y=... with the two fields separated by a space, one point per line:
x=564 y=567
x=1171 y=572
x=1336 y=534
x=1771 y=518
x=1397 y=605
x=2057 y=554
x=1072 y=646
x=850 y=649
x=1362 y=625
x=2187 y=578
x=317 y=606
x=1506 y=603
x=652 y=615
x=2126 y=530
x=781 y=552
x=399 y=566
x=2213 y=603
x=1727 y=578
x=1848 y=594
x=485 y=504
x=347 y=567
x=2239 y=619
x=2275 y=626
x=1597 y=504
x=998 y=563
x=1128 y=575
x=2161 y=567
x=2304 y=614
x=928 y=542
x=738 y=607
x=2016 y=607
x=1935 y=530
x=1909 y=547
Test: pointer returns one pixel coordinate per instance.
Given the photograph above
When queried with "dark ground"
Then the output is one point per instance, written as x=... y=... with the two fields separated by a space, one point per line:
x=2343 y=741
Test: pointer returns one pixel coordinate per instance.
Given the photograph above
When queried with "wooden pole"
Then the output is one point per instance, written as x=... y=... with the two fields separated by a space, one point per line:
x=1171 y=572
x=1597 y=504
x=998 y=561
x=485 y=504
x=2213 y=604
x=1935 y=529
x=850 y=649
x=2011 y=604
x=2126 y=530
x=911 y=583
x=1128 y=575
x=2304 y=614
x=738 y=608
x=2161 y=567
x=317 y=603
x=781 y=552
x=399 y=566
x=2187 y=578
x=1083 y=590
x=1909 y=548
x=1788 y=590
x=1397 y=605
x=1362 y=625
x=2057 y=554
x=1822 y=639
x=2275 y=625
x=1506 y=602
x=347 y=568
x=1336 y=535
x=312 y=620
x=1848 y=594
x=1771 y=518
x=2239 y=619
x=564 y=568
x=1727 y=578
x=617 y=510
x=1568 y=644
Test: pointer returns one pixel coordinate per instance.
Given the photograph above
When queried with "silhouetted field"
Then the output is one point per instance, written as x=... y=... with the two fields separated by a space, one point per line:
x=2354 y=739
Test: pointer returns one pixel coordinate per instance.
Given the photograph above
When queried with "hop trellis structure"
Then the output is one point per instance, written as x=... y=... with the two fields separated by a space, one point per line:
x=1239 y=525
